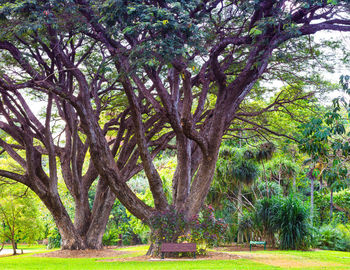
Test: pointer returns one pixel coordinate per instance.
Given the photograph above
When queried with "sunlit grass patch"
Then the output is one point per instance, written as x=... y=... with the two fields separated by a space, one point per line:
x=134 y=248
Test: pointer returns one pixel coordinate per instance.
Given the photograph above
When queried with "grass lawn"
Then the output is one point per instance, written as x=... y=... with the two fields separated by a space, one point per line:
x=248 y=260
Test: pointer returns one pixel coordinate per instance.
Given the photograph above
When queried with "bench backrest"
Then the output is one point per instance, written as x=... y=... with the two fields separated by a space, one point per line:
x=178 y=247
x=257 y=242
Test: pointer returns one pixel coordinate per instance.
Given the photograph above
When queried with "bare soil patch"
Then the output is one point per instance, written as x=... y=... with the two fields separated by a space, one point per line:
x=88 y=253
x=129 y=255
x=233 y=248
x=209 y=256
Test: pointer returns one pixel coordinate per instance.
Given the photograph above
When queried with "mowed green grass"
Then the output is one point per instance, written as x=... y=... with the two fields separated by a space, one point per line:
x=54 y=263
x=248 y=260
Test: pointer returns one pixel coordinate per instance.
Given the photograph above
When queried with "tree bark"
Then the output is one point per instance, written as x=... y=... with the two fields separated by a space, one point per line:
x=71 y=239
x=182 y=176
x=239 y=213
x=294 y=184
x=82 y=217
x=101 y=210
x=312 y=180
x=331 y=205
x=266 y=183
x=13 y=243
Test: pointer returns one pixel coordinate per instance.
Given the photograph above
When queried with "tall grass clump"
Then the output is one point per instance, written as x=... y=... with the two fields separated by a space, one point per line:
x=293 y=223
x=282 y=221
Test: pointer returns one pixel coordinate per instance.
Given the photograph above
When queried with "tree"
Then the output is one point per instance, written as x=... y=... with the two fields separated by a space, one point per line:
x=266 y=151
x=283 y=170
x=334 y=176
x=324 y=140
x=125 y=78
x=19 y=219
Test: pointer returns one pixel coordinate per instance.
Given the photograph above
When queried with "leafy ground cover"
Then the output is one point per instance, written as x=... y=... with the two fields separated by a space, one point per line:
x=133 y=258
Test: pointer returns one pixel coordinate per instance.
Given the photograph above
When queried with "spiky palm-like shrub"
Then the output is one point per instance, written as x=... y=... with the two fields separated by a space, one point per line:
x=286 y=218
x=247 y=226
x=293 y=222
x=266 y=214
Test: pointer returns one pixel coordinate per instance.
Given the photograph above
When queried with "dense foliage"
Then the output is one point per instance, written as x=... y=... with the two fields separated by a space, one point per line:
x=204 y=229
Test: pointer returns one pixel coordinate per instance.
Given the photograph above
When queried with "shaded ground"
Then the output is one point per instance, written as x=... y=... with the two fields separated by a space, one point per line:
x=82 y=253
x=134 y=253
x=233 y=248
x=129 y=255
x=209 y=256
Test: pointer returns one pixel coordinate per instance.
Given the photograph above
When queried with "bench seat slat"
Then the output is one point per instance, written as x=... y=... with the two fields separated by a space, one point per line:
x=257 y=242
x=178 y=247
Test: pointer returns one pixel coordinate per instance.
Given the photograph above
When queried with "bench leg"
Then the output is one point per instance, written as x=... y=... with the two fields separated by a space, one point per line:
x=163 y=255
x=250 y=247
x=194 y=255
x=265 y=246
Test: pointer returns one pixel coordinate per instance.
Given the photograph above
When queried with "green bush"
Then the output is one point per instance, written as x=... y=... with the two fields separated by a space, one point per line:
x=167 y=226
x=111 y=237
x=345 y=229
x=274 y=189
x=341 y=200
x=54 y=239
x=333 y=238
x=204 y=229
x=225 y=211
x=284 y=218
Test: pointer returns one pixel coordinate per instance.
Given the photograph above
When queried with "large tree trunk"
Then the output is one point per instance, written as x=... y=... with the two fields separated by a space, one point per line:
x=71 y=239
x=82 y=217
x=154 y=248
x=312 y=199
x=312 y=180
x=182 y=176
x=204 y=177
x=104 y=200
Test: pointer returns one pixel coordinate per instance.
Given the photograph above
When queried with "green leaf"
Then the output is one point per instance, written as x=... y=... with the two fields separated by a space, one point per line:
x=255 y=31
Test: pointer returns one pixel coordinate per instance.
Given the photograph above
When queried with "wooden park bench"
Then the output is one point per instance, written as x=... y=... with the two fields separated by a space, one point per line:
x=257 y=243
x=178 y=247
